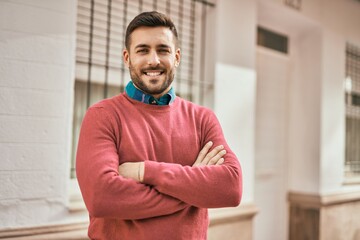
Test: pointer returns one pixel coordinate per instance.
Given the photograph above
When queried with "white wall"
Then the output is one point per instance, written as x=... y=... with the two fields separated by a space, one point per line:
x=317 y=34
x=304 y=114
x=337 y=23
x=235 y=81
x=271 y=144
x=336 y=32
x=333 y=113
x=37 y=46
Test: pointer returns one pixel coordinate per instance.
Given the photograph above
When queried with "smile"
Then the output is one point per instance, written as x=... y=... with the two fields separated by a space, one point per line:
x=153 y=73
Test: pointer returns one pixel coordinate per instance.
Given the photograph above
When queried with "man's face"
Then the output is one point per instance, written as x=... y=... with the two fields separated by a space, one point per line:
x=152 y=59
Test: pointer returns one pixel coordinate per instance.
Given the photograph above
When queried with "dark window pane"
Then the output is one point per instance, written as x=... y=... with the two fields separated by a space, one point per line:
x=272 y=40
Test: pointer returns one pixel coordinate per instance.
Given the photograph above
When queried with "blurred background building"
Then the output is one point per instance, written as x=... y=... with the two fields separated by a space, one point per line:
x=283 y=77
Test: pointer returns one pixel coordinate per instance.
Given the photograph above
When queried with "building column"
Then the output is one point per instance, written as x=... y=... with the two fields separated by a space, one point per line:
x=234 y=104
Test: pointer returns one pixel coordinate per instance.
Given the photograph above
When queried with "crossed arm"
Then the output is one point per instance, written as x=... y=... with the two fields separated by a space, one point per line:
x=209 y=183
x=135 y=170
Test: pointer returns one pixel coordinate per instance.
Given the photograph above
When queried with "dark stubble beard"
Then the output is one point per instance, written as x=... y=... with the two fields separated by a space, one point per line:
x=136 y=78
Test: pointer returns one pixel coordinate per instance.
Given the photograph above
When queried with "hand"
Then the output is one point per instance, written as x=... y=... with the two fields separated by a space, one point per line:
x=214 y=157
x=133 y=170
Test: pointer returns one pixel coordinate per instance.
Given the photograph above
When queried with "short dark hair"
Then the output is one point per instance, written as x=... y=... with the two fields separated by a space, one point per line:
x=149 y=19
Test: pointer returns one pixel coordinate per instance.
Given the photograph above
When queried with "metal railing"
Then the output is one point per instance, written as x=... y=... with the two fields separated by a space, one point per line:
x=352 y=100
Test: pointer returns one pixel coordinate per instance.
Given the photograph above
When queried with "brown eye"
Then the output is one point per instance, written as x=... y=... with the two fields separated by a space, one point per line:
x=142 y=50
x=164 y=50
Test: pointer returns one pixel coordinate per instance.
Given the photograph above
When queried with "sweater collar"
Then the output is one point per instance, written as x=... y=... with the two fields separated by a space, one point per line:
x=139 y=95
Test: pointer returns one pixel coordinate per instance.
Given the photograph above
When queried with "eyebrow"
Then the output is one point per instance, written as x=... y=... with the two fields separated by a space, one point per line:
x=147 y=46
x=142 y=46
x=163 y=46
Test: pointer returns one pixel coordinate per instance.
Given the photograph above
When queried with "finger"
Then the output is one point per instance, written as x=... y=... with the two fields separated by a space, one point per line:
x=216 y=158
x=221 y=161
x=212 y=154
x=203 y=153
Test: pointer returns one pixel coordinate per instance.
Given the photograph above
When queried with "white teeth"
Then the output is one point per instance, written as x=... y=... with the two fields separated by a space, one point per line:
x=153 y=74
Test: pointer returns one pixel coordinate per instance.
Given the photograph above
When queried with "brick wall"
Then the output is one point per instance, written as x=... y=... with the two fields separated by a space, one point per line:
x=37 y=47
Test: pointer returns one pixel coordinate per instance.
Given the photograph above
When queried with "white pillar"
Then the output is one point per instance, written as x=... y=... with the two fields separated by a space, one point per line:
x=235 y=81
x=304 y=113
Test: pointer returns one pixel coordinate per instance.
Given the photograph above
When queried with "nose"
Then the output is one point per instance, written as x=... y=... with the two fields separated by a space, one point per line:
x=153 y=59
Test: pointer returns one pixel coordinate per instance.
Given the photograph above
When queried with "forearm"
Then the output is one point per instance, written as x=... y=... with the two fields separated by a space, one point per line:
x=205 y=186
x=198 y=185
x=110 y=195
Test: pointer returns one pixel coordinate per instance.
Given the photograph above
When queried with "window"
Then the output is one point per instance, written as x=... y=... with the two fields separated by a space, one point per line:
x=272 y=40
x=352 y=101
x=100 y=71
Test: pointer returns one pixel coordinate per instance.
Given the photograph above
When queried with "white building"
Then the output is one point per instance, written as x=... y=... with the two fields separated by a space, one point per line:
x=283 y=113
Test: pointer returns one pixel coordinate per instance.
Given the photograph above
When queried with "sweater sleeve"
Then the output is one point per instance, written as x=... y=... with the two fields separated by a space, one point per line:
x=205 y=186
x=105 y=192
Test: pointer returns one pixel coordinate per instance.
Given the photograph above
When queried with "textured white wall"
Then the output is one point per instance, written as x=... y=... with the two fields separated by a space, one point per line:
x=37 y=45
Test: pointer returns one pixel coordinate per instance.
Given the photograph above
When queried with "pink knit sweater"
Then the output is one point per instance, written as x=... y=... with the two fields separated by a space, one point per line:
x=173 y=200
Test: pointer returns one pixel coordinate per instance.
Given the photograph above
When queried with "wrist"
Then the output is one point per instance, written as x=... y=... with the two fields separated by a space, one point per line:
x=141 y=171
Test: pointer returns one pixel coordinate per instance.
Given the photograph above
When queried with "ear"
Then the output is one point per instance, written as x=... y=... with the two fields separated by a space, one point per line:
x=177 y=57
x=126 y=57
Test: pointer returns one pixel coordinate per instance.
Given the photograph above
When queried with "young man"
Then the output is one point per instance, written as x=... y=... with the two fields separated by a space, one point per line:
x=149 y=164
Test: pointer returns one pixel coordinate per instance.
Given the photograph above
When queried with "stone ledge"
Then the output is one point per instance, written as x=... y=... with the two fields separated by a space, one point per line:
x=78 y=231
x=317 y=201
x=223 y=215
x=323 y=217
x=71 y=231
